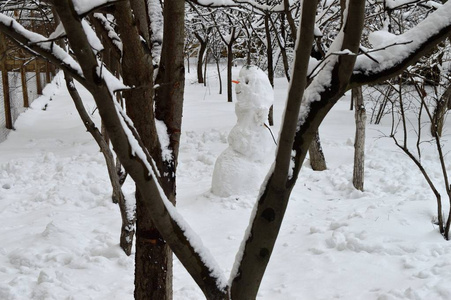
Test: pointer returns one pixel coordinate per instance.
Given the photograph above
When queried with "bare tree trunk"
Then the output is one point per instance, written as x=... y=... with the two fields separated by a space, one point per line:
x=153 y=262
x=270 y=65
x=229 y=70
x=271 y=116
x=269 y=50
x=200 y=57
x=187 y=64
x=359 y=143
x=316 y=154
x=219 y=76
x=443 y=105
x=249 y=50
x=169 y=109
x=205 y=68
x=291 y=23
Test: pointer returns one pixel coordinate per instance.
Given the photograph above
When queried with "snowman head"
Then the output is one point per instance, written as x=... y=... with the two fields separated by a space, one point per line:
x=254 y=88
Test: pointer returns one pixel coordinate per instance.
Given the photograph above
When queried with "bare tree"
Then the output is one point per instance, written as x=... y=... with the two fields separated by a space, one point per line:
x=415 y=155
x=358 y=177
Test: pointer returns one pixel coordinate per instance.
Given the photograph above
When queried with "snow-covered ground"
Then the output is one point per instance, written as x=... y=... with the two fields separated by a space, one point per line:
x=60 y=232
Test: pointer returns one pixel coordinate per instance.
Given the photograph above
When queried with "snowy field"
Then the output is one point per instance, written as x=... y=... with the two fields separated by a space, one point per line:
x=60 y=232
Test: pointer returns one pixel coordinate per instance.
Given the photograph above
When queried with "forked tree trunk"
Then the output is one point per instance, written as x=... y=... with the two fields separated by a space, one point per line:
x=316 y=154
x=359 y=143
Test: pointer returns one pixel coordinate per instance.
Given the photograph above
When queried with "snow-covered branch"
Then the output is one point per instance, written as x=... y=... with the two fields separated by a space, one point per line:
x=85 y=7
x=40 y=45
x=102 y=24
x=230 y=3
x=413 y=44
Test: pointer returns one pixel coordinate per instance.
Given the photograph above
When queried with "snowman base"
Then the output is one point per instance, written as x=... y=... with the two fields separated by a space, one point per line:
x=235 y=174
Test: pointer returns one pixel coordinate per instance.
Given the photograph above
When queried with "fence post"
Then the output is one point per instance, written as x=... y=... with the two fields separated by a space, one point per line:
x=23 y=76
x=38 y=76
x=48 y=79
x=5 y=82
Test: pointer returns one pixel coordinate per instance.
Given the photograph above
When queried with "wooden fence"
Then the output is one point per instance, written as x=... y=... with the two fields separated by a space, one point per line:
x=22 y=80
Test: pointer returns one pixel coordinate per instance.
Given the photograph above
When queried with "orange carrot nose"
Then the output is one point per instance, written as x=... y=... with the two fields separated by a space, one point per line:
x=235 y=81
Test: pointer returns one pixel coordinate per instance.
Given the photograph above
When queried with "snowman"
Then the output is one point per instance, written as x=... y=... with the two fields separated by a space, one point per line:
x=240 y=169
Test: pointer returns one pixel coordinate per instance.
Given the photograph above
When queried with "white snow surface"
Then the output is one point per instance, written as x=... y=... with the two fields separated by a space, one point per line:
x=60 y=231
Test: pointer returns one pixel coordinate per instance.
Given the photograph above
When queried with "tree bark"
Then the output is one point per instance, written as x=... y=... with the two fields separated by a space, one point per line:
x=205 y=68
x=358 y=177
x=269 y=50
x=219 y=76
x=200 y=57
x=443 y=105
x=291 y=23
x=230 y=64
x=270 y=65
x=153 y=275
x=229 y=70
x=316 y=154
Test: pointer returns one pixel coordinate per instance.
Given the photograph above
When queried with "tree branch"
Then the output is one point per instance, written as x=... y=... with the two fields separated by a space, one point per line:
x=394 y=62
x=40 y=46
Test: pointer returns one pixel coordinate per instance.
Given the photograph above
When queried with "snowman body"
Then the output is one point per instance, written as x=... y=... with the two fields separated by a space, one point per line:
x=240 y=168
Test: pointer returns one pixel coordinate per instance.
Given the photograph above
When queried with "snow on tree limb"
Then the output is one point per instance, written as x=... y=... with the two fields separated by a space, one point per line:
x=111 y=33
x=40 y=45
x=84 y=7
x=229 y=3
x=412 y=45
x=94 y=41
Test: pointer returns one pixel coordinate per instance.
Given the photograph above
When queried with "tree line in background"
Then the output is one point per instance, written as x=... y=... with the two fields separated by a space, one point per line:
x=324 y=48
